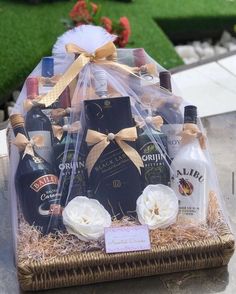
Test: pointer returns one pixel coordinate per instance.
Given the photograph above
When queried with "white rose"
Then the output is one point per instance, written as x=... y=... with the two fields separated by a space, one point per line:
x=86 y=218
x=157 y=207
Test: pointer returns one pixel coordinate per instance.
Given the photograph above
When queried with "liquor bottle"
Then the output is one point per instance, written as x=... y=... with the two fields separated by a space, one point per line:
x=153 y=149
x=37 y=123
x=70 y=154
x=47 y=82
x=170 y=112
x=114 y=179
x=36 y=183
x=190 y=172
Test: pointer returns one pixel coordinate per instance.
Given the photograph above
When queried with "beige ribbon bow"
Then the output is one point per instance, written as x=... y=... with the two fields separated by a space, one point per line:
x=191 y=132
x=49 y=80
x=29 y=103
x=84 y=58
x=100 y=141
x=59 y=130
x=28 y=145
x=157 y=121
x=58 y=113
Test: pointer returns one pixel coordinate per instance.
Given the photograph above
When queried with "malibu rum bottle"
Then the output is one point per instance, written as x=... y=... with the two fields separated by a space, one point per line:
x=36 y=184
x=190 y=173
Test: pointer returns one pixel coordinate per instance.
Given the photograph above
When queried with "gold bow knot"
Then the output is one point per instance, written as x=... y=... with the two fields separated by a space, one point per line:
x=59 y=130
x=58 y=113
x=157 y=121
x=191 y=132
x=28 y=145
x=100 y=141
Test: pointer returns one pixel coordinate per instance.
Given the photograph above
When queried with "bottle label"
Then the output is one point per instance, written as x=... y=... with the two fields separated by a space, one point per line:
x=45 y=150
x=173 y=138
x=43 y=181
x=189 y=183
x=156 y=169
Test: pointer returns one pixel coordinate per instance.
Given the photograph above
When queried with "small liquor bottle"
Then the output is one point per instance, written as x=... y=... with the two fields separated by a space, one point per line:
x=152 y=145
x=173 y=120
x=70 y=162
x=190 y=173
x=36 y=185
x=37 y=123
x=47 y=81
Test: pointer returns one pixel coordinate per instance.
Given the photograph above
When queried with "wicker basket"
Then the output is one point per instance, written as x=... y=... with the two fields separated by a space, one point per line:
x=94 y=267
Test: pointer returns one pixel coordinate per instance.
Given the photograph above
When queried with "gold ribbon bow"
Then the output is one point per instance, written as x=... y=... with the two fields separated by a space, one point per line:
x=27 y=145
x=191 y=132
x=84 y=58
x=58 y=130
x=49 y=80
x=58 y=113
x=100 y=141
x=157 y=121
x=29 y=103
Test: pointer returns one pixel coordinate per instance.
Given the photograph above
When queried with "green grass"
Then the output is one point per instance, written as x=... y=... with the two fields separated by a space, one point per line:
x=28 y=32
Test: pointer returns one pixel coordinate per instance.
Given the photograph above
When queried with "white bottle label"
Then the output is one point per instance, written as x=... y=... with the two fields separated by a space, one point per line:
x=45 y=151
x=190 y=185
x=173 y=139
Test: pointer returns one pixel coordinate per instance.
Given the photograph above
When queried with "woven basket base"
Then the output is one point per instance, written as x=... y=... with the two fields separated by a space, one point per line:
x=94 y=267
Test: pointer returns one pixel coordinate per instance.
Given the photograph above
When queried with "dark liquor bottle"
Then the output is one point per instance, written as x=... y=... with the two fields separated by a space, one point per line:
x=171 y=114
x=37 y=123
x=70 y=153
x=36 y=184
x=114 y=179
x=153 y=149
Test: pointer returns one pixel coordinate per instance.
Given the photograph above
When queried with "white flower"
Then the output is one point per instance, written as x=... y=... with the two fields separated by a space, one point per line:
x=86 y=218
x=157 y=207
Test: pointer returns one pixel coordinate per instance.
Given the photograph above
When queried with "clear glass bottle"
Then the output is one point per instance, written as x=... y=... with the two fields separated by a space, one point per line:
x=190 y=174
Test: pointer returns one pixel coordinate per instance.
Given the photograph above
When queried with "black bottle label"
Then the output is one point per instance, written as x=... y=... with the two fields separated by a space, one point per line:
x=69 y=169
x=156 y=169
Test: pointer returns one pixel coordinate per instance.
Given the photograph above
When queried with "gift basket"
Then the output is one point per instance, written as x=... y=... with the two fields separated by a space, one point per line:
x=111 y=176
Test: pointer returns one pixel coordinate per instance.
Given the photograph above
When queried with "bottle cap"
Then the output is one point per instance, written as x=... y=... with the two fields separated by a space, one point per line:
x=190 y=114
x=165 y=80
x=139 y=57
x=17 y=119
x=32 y=87
x=48 y=67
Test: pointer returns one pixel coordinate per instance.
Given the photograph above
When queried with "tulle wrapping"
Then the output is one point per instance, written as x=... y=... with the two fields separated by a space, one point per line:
x=145 y=98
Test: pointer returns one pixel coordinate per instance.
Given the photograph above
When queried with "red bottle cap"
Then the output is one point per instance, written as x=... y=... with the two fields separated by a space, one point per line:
x=139 y=57
x=32 y=87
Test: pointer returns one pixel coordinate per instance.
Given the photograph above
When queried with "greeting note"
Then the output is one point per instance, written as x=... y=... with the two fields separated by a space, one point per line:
x=126 y=239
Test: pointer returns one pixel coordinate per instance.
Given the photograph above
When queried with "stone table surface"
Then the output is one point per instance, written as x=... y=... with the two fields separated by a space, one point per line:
x=221 y=131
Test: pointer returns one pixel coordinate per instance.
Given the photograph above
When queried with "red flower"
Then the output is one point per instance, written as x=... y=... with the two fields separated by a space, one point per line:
x=107 y=23
x=83 y=14
x=123 y=36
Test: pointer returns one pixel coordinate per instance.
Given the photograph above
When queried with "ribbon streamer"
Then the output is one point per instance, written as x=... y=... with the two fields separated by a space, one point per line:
x=59 y=130
x=28 y=145
x=191 y=132
x=58 y=113
x=100 y=141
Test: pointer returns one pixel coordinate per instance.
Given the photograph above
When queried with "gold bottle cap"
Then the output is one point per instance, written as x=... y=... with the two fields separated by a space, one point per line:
x=17 y=119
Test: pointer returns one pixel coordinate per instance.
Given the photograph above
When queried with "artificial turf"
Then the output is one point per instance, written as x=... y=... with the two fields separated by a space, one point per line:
x=28 y=32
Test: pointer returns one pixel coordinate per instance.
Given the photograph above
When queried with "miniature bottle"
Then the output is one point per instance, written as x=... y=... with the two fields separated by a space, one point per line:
x=190 y=171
